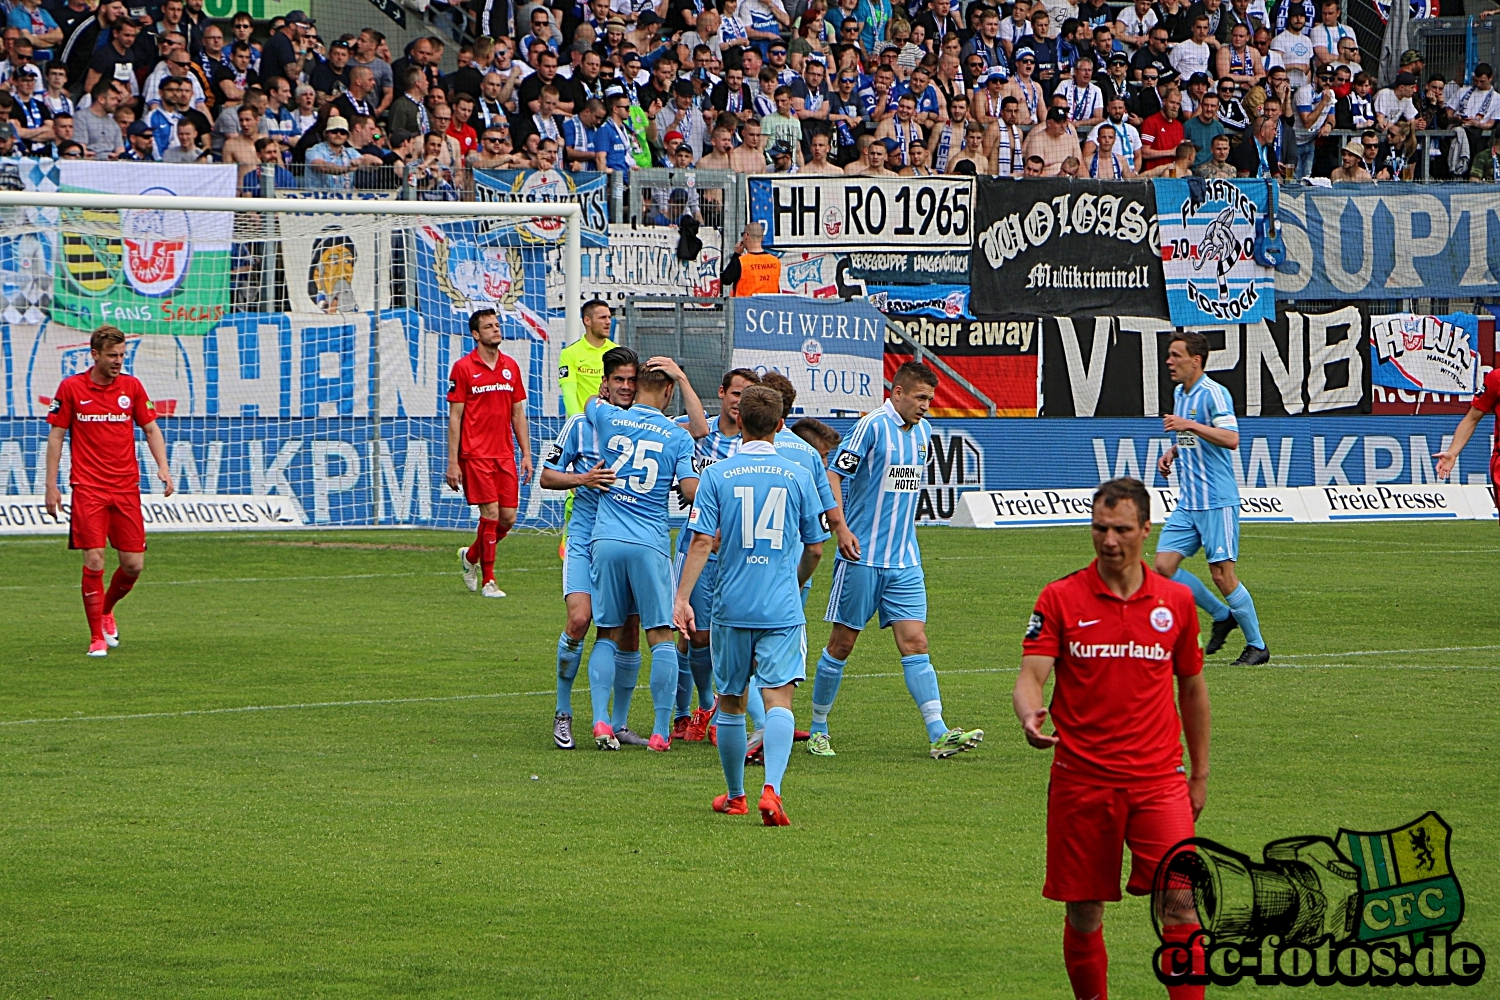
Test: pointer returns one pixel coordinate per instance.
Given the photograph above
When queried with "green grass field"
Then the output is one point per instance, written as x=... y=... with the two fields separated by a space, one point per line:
x=318 y=767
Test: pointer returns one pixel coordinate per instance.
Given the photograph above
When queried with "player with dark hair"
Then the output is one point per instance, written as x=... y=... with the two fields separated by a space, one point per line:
x=1208 y=498
x=712 y=443
x=630 y=571
x=99 y=410
x=758 y=504
x=877 y=474
x=1117 y=634
x=1484 y=403
x=486 y=422
x=819 y=435
x=574 y=464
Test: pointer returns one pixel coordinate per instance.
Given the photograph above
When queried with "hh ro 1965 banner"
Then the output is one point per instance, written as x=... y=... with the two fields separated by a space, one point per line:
x=1066 y=248
x=1207 y=240
x=830 y=350
x=863 y=213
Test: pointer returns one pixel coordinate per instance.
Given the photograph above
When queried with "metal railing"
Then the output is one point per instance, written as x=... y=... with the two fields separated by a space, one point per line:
x=930 y=359
x=726 y=211
x=697 y=333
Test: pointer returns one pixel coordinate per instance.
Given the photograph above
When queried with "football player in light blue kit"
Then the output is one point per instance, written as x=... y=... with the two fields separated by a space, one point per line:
x=765 y=510
x=711 y=443
x=630 y=570
x=1208 y=498
x=574 y=464
x=877 y=472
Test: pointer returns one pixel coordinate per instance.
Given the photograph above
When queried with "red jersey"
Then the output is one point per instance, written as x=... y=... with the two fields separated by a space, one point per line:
x=488 y=395
x=100 y=420
x=1158 y=133
x=1113 y=703
x=1489 y=398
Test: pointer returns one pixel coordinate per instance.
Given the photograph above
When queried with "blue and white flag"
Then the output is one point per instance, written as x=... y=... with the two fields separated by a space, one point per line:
x=1207 y=237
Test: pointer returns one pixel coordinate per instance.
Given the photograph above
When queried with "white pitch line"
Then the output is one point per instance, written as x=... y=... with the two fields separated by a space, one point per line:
x=1384 y=652
x=267 y=579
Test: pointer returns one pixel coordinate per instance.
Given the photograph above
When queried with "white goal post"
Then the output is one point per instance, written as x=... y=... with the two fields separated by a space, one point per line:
x=570 y=213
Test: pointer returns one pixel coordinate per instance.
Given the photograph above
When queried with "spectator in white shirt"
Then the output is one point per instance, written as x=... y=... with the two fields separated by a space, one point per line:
x=1394 y=103
x=1192 y=56
x=1295 y=48
x=1327 y=35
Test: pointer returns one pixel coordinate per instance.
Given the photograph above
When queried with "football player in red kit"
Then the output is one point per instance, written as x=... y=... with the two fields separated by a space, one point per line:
x=1484 y=403
x=486 y=402
x=1117 y=634
x=99 y=410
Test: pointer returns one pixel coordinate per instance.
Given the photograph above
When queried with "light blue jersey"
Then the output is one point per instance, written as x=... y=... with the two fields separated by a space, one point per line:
x=1205 y=472
x=789 y=445
x=883 y=466
x=715 y=446
x=577 y=451
x=765 y=505
x=647 y=452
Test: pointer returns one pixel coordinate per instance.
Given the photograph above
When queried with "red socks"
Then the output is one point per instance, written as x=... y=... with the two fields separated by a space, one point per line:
x=93 y=601
x=1179 y=934
x=485 y=540
x=1087 y=962
x=119 y=586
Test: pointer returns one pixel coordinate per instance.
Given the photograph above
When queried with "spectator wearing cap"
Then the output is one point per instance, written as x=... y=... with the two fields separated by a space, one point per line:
x=683 y=115
x=1317 y=104
x=1295 y=47
x=332 y=162
x=1054 y=142
x=1394 y=104
x=1024 y=87
x=142 y=148
x=783 y=158
x=1116 y=79
x=281 y=56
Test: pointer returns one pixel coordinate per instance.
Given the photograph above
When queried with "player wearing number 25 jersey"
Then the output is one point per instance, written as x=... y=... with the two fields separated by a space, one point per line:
x=99 y=410
x=1118 y=636
x=630 y=569
x=878 y=469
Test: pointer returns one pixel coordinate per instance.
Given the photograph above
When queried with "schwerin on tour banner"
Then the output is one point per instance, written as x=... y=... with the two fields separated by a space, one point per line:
x=159 y=270
x=1061 y=247
x=588 y=189
x=1207 y=240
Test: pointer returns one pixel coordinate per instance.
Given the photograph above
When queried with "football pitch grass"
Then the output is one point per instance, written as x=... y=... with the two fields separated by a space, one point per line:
x=318 y=766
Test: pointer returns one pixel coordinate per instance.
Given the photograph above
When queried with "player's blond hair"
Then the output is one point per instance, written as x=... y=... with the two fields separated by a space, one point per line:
x=106 y=336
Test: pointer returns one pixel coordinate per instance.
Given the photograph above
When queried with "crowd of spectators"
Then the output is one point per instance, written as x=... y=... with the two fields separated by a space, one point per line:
x=854 y=87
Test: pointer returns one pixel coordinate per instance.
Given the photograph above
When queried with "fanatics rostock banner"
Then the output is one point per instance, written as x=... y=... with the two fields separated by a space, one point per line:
x=1207 y=240
x=1063 y=247
x=1299 y=363
x=331 y=472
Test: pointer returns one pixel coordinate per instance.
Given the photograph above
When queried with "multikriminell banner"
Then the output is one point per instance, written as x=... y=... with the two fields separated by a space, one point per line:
x=863 y=213
x=1440 y=240
x=1298 y=363
x=547 y=186
x=830 y=350
x=1207 y=238
x=1066 y=248
x=1433 y=354
x=158 y=270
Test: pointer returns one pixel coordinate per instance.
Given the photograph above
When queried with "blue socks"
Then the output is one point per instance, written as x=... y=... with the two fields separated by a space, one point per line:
x=702 y=662
x=663 y=686
x=569 y=653
x=755 y=708
x=602 y=677
x=732 y=751
x=684 y=684
x=627 y=672
x=825 y=688
x=1202 y=596
x=778 y=745
x=1243 y=607
x=921 y=681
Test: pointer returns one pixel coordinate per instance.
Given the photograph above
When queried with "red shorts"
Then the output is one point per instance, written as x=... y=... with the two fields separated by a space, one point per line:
x=1495 y=478
x=491 y=480
x=1089 y=825
x=112 y=516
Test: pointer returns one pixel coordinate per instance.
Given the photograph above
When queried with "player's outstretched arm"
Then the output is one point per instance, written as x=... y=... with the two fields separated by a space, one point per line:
x=692 y=568
x=157 y=445
x=454 y=476
x=1192 y=702
x=697 y=424
x=54 y=457
x=848 y=544
x=522 y=428
x=1448 y=457
x=1029 y=702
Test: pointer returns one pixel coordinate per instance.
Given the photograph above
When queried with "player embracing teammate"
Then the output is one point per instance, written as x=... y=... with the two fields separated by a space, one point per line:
x=98 y=410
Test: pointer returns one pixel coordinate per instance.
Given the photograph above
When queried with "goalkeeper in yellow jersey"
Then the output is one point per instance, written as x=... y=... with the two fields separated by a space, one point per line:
x=580 y=369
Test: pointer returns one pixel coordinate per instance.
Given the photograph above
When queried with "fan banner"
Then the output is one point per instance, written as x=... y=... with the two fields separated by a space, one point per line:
x=831 y=350
x=331 y=262
x=1062 y=247
x=1207 y=228
x=804 y=212
x=159 y=270
x=1435 y=354
x=588 y=189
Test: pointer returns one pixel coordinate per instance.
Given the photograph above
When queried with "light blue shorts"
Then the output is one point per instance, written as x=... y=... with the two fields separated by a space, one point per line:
x=1217 y=531
x=629 y=579
x=859 y=591
x=702 y=597
x=776 y=656
x=577 y=575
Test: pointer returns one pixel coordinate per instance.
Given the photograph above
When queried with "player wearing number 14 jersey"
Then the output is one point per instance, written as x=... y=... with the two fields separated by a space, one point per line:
x=878 y=469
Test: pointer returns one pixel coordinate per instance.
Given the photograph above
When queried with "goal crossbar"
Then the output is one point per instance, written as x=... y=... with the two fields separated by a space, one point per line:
x=570 y=213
